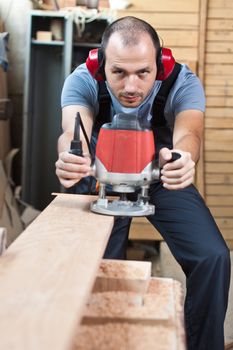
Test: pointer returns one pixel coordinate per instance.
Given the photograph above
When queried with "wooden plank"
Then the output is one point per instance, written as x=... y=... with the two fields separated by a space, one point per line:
x=221 y=58
x=219 y=24
x=220 y=3
x=183 y=54
x=148 y=235
x=220 y=36
x=224 y=201
x=161 y=20
x=219 y=190
x=219 y=168
x=223 y=47
x=120 y=275
x=219 y=123
x=201 y=73
x=47 y=274
x=165 y=6
x=202 y=39
x=223 y=90
x=213 y=69
x=219 y=135
x=126 y=321
x=219 y=146
x=220 y=12
x=221 y=212
x=219 y=101
x=229 y=243
x=227 y=234
x=223 y=80
x=218 y=156
x=125 y=336
x=225 y=223
x=153 y=308
x=227 y=179
x=179 y=38
x=141 y=229
x=220 y=112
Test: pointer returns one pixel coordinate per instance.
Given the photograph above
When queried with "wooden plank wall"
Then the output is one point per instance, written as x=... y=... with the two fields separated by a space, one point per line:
x=219 y=115
x=200 y=33
x=176 y=21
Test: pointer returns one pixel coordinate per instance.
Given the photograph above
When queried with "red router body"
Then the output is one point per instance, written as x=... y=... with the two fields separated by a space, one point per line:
x=125 y=154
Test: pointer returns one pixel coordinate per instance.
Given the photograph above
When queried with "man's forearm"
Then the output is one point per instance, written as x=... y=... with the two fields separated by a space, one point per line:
x=188 y=132
x=65 y=139
x=190 y=143
x=64 y=142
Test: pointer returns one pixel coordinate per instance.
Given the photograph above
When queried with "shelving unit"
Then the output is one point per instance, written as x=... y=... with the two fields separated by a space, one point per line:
x=48 y=63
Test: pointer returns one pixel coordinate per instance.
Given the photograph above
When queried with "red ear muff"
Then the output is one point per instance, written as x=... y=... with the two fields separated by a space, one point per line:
x=94 y=64
x=166 y=64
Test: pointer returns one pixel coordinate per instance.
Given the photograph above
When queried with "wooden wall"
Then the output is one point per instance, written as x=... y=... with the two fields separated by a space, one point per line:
x=199 y=32
x=218 y=147
x=177 y=22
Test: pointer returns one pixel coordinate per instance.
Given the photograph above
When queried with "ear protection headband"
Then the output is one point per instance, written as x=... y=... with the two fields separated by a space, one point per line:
x=95 y=64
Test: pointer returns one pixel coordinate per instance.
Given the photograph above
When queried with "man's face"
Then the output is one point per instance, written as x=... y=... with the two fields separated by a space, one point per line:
x=130 y=70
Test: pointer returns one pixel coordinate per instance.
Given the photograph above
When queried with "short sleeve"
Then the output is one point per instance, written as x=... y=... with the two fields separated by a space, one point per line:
x=188 y=93
x=80 y=89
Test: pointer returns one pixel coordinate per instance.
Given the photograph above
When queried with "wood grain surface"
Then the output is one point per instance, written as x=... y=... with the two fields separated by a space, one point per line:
x=47 y=274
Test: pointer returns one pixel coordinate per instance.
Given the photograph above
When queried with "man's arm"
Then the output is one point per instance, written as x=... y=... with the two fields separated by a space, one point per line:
x=187 y=138
x=71 y=168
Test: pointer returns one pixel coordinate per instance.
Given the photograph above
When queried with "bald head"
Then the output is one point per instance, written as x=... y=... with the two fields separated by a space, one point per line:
x=130 y=30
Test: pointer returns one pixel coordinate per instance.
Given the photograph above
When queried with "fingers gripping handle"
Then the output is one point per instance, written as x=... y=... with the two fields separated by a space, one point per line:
x=175 y=156
x=156 y=175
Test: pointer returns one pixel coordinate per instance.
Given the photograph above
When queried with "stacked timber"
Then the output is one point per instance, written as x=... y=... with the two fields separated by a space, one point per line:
x=58 y=293
x=130 y=310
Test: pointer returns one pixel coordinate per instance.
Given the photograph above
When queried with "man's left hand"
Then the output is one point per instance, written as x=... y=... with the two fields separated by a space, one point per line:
x=179 y=173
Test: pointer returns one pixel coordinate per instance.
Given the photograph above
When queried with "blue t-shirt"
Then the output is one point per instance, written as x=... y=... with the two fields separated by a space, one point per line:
x=80 y=88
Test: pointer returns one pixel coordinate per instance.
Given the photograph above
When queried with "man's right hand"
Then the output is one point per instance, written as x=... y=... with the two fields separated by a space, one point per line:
x=71 y=168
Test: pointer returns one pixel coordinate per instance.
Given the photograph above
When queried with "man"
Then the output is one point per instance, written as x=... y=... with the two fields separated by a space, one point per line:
x=131 y=60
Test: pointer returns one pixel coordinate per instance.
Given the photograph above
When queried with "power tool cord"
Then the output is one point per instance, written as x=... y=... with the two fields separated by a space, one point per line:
x=90 y=152
x=87 y=141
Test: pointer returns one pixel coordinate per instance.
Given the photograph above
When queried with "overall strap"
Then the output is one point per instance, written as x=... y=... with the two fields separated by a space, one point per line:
x=158 y=119
x=104 y=115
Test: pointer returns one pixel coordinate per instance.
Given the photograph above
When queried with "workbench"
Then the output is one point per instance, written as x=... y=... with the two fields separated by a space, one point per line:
x=56 y=292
